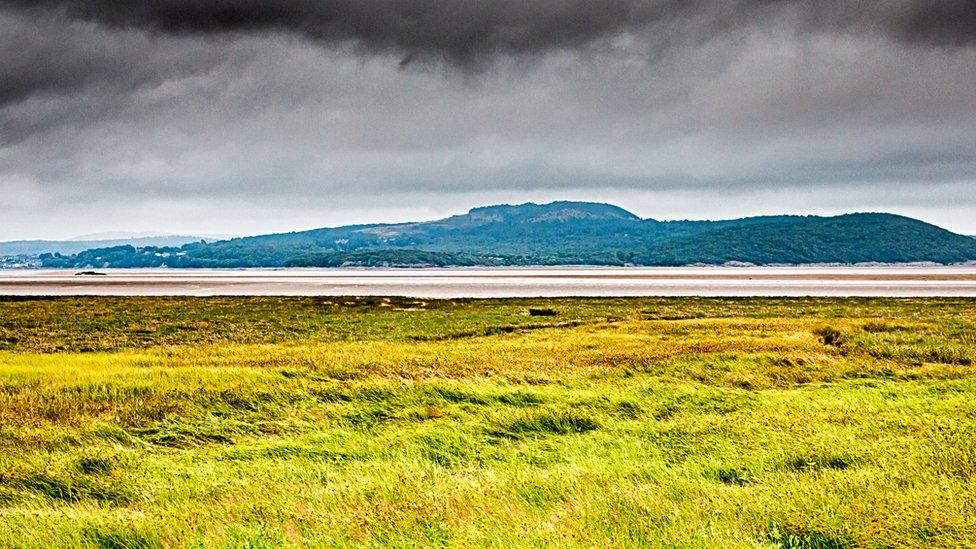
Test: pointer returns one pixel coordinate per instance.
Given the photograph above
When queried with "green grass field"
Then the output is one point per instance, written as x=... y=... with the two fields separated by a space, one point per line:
x=269 y=422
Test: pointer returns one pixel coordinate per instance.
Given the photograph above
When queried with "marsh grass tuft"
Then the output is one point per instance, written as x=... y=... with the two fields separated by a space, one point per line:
x=120 y=537
x=732 y=475
x=521 y=398
x=70 y=486
x=878 y=327
x=556 y=422
x=433 y=412
x=818 y=462
x=802 y=539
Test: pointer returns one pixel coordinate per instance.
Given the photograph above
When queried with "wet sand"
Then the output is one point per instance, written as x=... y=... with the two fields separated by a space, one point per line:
x=897 y=281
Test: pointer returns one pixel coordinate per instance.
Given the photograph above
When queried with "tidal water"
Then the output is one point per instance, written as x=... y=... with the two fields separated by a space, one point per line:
x=899 y=281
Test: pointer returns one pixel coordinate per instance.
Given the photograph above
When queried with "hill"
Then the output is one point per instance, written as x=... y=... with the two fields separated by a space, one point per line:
x=562 y=233
x=73 y=246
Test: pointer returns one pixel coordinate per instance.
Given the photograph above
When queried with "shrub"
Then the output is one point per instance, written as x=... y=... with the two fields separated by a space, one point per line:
x=829 y=335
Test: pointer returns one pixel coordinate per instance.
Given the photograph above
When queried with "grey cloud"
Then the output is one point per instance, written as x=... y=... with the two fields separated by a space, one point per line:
x=772 y=109
x=209 y=118
x=55 y=72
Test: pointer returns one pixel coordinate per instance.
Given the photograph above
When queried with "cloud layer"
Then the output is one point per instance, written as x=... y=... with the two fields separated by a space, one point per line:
x=244 y=116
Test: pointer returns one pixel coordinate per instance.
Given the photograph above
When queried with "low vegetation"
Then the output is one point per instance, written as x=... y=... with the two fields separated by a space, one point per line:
x=268 y=422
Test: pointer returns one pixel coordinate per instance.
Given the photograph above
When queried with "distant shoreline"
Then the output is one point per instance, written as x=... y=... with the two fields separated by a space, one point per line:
x=730 y=265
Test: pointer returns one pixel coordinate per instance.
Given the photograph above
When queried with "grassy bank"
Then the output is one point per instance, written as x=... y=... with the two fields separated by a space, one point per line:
x=266 y=422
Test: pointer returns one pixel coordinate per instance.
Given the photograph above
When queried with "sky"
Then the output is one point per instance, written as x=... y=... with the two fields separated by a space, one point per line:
x=249 y=116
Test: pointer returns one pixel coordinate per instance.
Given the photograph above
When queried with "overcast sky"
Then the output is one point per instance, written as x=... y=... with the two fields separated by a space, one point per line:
x=249 y=116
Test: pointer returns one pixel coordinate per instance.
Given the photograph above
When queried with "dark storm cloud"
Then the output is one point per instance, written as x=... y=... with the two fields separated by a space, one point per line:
x=465 y=30
x=45 y=54
x=460 y=31
x=925 y=22
x=48 y=56
x=49 y=59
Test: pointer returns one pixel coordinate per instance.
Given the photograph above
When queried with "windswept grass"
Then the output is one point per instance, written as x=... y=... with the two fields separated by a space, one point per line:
x=370 y=422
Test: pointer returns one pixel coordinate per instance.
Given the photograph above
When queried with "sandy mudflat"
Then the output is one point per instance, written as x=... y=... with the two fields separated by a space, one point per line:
x=906 y=281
